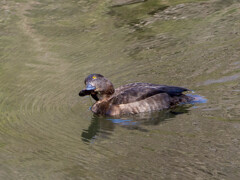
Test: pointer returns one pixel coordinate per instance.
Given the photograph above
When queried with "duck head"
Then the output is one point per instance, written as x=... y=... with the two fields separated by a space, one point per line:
x=98 y=87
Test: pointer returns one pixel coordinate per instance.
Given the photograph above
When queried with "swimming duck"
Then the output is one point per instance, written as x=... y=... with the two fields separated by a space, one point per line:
x=131 y=98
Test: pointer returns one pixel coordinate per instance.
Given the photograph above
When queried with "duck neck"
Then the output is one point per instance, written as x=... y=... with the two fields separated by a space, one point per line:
x=103 y=97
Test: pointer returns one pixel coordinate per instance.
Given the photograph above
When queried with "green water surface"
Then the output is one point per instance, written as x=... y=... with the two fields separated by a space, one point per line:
x=48 y=47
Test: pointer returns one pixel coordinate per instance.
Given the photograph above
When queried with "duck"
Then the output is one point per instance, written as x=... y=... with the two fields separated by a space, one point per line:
x=131 y=98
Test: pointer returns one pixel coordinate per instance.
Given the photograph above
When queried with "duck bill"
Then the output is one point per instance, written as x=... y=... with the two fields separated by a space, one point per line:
x=89 y=89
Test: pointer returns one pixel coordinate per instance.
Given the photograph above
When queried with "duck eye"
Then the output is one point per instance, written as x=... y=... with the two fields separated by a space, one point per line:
x=94 y=77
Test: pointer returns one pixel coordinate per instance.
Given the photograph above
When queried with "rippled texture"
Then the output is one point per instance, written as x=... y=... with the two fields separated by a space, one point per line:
x=47 y=48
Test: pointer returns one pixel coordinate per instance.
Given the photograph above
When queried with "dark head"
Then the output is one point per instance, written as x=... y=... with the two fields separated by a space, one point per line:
x=97 y=86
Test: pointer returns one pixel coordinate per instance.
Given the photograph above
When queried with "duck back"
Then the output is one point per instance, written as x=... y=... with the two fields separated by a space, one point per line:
x=144 y=97
x=140 y=91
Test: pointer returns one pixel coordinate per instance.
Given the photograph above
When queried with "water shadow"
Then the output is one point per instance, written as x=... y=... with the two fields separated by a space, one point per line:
x=102 y=127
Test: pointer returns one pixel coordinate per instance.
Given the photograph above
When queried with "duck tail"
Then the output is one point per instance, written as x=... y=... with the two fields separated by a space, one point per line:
x=182 y=99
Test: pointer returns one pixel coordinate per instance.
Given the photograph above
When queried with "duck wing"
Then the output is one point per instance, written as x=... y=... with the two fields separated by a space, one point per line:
x=139 y=91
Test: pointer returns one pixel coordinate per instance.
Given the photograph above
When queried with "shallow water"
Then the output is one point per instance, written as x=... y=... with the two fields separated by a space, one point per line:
x=47 y=48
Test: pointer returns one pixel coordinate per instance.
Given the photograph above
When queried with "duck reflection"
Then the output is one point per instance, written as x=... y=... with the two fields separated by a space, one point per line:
x=102 y=127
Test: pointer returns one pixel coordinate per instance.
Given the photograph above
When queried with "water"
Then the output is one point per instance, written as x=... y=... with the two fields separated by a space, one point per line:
x=47 y=48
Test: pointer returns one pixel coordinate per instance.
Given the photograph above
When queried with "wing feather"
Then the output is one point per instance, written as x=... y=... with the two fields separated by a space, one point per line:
x=139 y=91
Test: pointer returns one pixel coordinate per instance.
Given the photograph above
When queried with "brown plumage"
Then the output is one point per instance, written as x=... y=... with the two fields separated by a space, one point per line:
x=131 y=98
